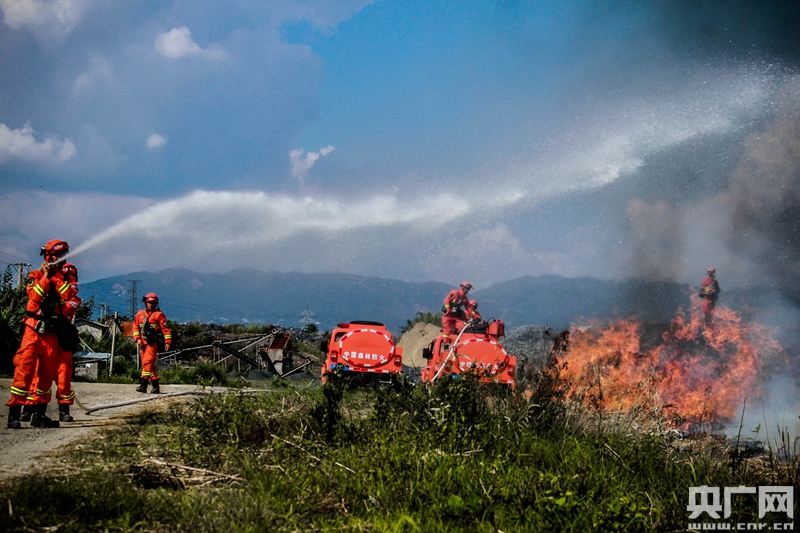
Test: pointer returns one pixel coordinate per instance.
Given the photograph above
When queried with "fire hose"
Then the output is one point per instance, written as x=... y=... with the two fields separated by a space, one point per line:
x=452 y=350
x=89 y=410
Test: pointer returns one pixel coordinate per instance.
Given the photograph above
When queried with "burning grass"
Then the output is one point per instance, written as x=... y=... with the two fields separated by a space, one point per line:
x=692 y=374
x=403 y=458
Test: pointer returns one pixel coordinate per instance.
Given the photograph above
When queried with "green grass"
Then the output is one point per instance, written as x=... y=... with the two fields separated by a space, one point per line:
x=398 y=459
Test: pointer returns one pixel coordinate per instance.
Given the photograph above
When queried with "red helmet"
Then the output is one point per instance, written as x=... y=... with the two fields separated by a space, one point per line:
x=466 y=285
x=712 y=270
x=150 y=297
x=473 y=304
x=55 y=249
x=70 y=270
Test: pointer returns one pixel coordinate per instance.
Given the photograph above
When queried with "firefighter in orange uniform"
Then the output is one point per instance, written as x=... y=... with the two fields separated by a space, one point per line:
x=709 y=292
x=65 y=396
x=151 y=333
x=45 y=336
x=453 y=302
x=64 y=393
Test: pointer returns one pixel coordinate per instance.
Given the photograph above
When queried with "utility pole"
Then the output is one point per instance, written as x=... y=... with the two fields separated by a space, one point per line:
x=113 y=342
x=307 y=314
x=20 y=266
x=103 y=311
x=133 y=304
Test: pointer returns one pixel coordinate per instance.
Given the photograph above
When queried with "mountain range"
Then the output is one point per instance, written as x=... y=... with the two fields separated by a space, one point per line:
x=247 y=296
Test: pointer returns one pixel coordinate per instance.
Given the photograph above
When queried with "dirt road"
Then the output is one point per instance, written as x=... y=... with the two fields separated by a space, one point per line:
x=27 y=449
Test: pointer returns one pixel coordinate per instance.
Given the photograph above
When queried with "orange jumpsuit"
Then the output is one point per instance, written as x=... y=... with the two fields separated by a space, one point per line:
x=37 y=357
x=460 y=322
x=64 y=370
x=157 y=322
x=452 y=302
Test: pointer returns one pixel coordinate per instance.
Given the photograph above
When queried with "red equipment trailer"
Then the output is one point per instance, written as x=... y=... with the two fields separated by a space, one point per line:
x=476 y=349
x=363 y=351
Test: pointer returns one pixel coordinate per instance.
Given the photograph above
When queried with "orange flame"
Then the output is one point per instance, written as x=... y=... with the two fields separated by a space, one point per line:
x=696 y=373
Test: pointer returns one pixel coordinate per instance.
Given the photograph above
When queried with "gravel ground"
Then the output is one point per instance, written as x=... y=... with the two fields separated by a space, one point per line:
x=28 y=449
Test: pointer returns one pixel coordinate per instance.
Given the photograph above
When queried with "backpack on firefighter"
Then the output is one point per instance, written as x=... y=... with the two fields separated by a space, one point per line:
x=152 y=335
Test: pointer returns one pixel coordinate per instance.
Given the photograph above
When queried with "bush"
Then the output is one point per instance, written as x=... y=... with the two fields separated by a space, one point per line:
x=427 y=317
x=205 y=374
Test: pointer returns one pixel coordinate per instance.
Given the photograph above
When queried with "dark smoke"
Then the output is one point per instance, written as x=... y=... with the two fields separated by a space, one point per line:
x=764 y=196
x=655 y=240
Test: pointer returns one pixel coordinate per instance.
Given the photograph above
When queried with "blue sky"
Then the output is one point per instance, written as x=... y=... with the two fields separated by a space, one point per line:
x=421 y=140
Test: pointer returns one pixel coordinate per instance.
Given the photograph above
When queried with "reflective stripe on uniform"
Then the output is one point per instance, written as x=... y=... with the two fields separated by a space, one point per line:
x=62 y=289
x=69 y=396
x=18 y=392
x=39 y=290
x=41 y=392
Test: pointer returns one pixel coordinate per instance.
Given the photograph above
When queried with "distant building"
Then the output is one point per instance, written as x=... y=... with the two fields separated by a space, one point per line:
x=95 y=329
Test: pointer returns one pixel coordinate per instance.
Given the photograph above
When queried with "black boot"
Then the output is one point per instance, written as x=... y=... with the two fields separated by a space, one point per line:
x=13 y=416
x=27 y=413
x=40 y=418
x=142 y=385
x=156 y=390
x=63 y=413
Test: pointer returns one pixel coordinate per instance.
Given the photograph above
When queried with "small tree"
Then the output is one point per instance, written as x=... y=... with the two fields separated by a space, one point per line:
x=86 y=309
x=12 y=311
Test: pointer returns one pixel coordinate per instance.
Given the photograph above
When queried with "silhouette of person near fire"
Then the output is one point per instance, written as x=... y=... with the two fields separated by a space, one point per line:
x=709 y=292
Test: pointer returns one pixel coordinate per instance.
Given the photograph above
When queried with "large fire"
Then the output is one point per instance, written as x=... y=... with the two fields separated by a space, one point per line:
x=694 y=374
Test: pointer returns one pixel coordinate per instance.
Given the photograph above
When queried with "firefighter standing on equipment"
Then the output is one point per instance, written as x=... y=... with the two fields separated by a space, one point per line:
x=151 y=333
x=452 y=305
x=709 y=292
x=462 y=319
x=46 y=333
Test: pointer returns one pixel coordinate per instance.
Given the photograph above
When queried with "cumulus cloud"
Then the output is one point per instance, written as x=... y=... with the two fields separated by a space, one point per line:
x=21 y=144
x=301 y=165
x=155 y=141
x=178 y=43
x=46 y=18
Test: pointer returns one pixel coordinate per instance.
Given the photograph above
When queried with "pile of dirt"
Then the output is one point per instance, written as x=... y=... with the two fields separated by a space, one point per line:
x=414 y=340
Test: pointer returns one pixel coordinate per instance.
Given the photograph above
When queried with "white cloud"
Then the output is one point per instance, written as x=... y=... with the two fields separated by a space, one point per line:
x=22 y=145
x=178 y=43
x=156 y=141
x=301 y=165
x=50 y=18
x=99 y=70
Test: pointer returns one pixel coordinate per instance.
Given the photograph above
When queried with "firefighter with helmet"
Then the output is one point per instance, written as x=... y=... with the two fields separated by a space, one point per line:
x=65 y=396
x=453 y=302
x=47 y=332
x=462 y=319
x=709 y=292
x=151 y=333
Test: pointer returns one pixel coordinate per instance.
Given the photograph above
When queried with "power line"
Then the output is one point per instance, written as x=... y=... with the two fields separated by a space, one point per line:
x=14 y=256
x=20 y=266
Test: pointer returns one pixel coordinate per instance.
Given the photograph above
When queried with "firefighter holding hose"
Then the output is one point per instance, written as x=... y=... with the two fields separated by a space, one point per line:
x=453 y=302
x=65 y=396
x=151 y=333
x=47 y=333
